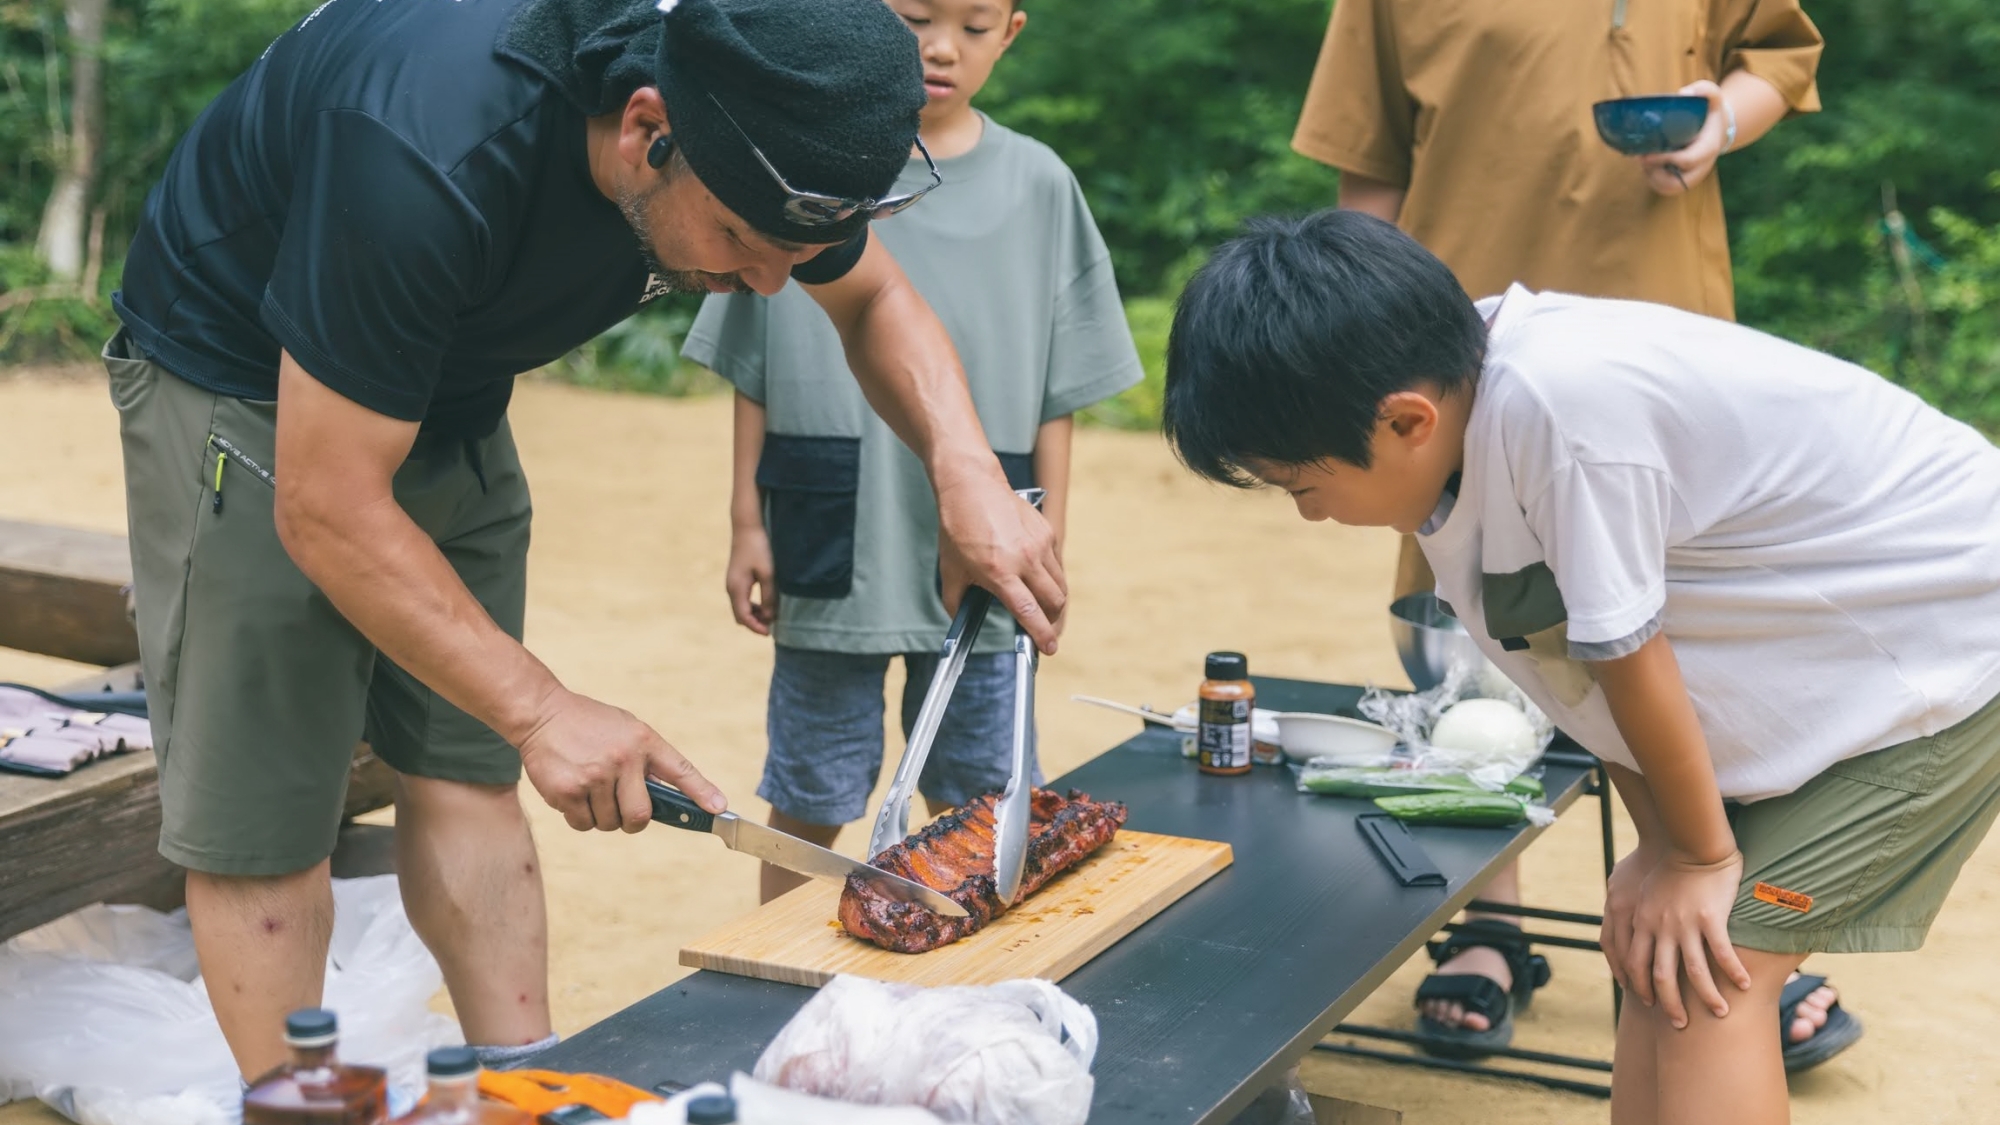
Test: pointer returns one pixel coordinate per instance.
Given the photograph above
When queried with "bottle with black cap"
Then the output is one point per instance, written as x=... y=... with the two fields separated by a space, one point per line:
x=314 y=1087
x=1222 y=736
x=711 y=1109
x=452 y=1097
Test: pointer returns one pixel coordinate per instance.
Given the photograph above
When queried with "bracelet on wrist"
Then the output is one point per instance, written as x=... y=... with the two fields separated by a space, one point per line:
x=1729 y=125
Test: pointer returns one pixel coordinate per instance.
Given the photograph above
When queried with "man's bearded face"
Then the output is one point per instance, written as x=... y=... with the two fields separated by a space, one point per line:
x=637 y=207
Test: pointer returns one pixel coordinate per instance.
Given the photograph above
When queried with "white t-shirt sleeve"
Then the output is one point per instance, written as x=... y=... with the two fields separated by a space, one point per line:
x=1604 y=528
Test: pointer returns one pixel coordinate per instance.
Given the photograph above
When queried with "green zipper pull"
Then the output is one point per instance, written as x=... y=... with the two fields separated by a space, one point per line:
x=219 y=459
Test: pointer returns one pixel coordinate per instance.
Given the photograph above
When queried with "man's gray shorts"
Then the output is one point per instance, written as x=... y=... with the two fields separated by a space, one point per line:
x=259 y=688
x=825 y=727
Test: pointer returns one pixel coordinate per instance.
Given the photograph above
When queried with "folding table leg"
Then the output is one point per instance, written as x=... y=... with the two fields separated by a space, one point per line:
x=1599 y=787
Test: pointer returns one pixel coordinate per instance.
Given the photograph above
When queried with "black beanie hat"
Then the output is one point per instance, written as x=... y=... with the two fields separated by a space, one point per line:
x=829 y=90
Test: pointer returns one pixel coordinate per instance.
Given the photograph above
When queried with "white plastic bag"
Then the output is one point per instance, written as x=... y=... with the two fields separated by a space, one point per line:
x=102 y=1016
x=1013 y=1053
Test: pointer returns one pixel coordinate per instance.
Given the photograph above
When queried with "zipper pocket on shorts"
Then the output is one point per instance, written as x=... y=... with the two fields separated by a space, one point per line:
x=225 y=452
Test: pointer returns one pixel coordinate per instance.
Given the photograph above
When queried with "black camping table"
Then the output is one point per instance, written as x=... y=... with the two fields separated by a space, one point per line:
x=1211 y=1000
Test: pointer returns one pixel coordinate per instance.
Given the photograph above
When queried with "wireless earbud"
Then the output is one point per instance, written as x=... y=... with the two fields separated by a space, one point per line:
x=663 y=147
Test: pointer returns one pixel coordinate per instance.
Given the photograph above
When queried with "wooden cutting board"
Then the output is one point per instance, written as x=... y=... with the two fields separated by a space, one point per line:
x=797 y=939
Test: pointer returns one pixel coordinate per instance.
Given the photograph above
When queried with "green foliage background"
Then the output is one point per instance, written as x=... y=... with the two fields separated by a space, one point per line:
x=1175 y=115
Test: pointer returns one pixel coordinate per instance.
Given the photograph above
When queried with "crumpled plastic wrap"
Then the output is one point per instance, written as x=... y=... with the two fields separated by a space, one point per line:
x=1412 y=715
x=103 y=1017
x=1013 y=1053
x=760 y=1103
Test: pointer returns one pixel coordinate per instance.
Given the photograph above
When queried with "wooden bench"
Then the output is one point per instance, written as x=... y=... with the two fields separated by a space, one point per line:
x=62 y=593
x=93 y=836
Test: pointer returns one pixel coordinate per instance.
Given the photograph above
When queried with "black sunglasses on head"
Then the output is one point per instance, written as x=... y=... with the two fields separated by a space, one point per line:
x=814 y=209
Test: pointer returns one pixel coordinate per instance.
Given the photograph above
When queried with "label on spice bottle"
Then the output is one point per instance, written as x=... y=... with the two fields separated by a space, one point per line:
x=1224 y=734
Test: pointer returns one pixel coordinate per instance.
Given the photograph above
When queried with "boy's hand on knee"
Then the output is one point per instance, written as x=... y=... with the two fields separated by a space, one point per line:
x=1680 y=922
x=751 y=571
x=1621 y=902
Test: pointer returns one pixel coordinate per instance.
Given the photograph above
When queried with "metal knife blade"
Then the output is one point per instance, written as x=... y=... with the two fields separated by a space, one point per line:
x=674 y=808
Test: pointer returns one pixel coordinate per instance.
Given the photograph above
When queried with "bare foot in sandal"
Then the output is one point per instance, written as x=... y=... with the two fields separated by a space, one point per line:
x=1810 y=1016
x=1488 y=963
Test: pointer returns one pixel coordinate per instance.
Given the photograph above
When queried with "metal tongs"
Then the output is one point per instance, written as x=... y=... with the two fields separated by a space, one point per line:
x=1011 y=814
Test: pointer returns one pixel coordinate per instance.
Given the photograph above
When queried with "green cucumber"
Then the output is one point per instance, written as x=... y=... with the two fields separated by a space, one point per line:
x=1476 y=810
x=1385 y=782
x=1366 y=781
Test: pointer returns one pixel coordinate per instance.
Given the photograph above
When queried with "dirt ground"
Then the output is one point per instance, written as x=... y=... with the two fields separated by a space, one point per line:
x=625 y=602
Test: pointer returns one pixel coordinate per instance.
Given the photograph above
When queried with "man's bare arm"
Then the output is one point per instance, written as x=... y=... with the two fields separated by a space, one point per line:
x=910 y=373
x=337 y=516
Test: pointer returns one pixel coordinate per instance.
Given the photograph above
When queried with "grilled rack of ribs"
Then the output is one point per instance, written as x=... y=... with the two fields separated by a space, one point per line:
x=954 y=854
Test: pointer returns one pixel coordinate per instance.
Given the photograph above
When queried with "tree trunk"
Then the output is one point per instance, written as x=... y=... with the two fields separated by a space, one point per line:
x=66 y=219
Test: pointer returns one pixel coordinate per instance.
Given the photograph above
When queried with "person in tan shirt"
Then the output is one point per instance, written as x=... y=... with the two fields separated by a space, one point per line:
x=1468 y=124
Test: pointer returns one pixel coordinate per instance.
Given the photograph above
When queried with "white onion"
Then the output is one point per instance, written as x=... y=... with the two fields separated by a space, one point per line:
x=1484 y=726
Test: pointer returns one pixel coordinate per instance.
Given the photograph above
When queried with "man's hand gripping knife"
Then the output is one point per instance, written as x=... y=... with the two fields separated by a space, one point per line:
x=338 y=518
x=1666 y=909
x=910 y=373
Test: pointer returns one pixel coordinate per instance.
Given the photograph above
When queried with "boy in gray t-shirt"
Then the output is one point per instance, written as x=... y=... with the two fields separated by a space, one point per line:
x=834 y=547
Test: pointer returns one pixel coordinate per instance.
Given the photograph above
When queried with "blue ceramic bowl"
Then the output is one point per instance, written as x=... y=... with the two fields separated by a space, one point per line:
x=1642 y=126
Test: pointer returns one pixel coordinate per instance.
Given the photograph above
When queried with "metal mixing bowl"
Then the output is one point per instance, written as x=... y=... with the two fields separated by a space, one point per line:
x=1429 y=640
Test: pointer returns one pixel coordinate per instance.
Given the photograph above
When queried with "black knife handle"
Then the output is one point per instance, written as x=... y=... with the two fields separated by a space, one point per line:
x=677 y=809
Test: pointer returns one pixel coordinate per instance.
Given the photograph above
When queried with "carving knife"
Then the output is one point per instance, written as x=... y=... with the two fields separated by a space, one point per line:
x=677 y=809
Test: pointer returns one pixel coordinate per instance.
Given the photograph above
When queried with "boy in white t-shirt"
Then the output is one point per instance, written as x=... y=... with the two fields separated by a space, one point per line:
x=1762 y=584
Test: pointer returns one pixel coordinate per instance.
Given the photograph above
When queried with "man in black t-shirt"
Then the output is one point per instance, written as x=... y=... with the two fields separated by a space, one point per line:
x=398 y=208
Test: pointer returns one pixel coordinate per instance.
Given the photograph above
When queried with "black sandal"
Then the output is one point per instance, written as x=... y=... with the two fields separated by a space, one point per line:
x=1837 y=1035
x=1480 y=994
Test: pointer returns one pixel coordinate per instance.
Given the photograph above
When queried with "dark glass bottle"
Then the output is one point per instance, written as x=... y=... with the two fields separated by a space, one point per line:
x=315 y=1088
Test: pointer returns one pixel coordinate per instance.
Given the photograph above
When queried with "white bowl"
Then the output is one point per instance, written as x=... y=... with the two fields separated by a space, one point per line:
x=1305 y=736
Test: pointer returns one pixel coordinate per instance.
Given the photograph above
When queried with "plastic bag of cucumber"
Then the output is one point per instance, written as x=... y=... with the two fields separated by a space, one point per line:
x=1467 y=747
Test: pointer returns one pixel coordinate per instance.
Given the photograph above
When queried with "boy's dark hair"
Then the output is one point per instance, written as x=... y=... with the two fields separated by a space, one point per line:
x=1286 y=342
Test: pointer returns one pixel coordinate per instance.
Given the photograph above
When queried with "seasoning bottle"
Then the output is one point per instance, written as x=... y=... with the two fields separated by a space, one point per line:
x=1222 y=739
x=315 y=1088
x=452 y=1096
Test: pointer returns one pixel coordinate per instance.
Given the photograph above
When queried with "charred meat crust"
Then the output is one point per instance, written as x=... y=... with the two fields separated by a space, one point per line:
x=954 y=854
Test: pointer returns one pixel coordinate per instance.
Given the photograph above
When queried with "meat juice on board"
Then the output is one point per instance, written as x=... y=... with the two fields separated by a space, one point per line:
x=1222 y=738
x=315 y=1088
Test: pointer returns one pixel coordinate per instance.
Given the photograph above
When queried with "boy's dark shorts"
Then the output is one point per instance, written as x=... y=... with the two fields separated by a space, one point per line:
x=259 y=689
x=1874 y=842
x=825 y=727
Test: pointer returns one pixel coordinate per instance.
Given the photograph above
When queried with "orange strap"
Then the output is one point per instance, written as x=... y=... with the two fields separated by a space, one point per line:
x=543 y=1091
